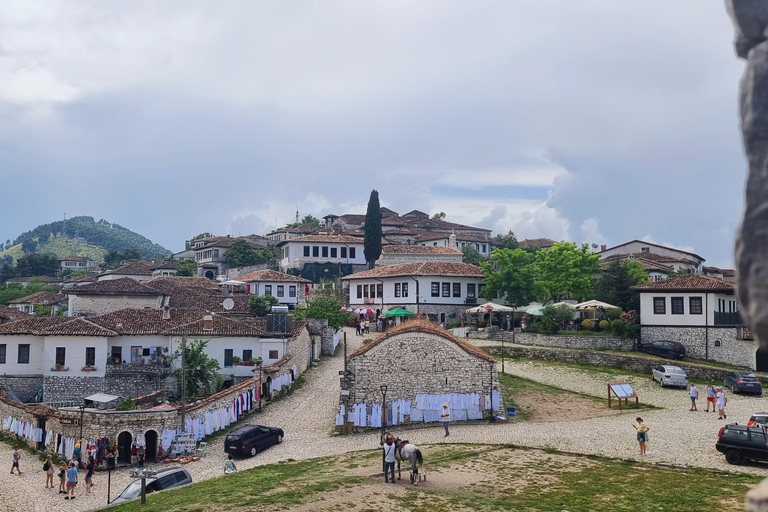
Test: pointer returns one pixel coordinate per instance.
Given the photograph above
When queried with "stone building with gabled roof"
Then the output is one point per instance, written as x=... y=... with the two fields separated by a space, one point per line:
x=27 y=304
x=421 y=366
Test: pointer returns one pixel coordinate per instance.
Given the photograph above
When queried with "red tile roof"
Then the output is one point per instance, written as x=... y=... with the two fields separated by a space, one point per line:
x=431 y=268
x=121 y=286
x=221 y=326
x=419 y=249
x=39 y=298
x=271 y=276
x=136 y=268
x=76 y=327
x=538 y=242
x=654 y=245
x=74 y=258
x=421 y=326
x=175 y=283
x=31 y=324
x=10 y=314
x=688 y=283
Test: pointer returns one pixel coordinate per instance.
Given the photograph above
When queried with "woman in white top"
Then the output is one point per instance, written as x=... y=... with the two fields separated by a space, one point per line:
x=721 y=401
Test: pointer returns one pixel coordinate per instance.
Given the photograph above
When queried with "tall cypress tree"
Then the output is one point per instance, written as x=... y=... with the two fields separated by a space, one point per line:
x=372 y=249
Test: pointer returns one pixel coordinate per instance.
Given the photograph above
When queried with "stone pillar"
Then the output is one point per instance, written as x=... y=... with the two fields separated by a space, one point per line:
x=326 y=341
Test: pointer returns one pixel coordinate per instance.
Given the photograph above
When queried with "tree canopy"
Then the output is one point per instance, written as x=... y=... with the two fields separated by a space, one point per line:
x=241 y=254
x=471 y=255
x=10 y=291
x=190 y=242
x=201 y=370
x=114 y=259
x=308 y=220
x=187 y=268
x=509 y=275
x=614 y=284
x=372 y=240
x=566 y=270
x=328 y=307
x=508 y=241
x=259 y=303
x=36 y=265
x=439 y=216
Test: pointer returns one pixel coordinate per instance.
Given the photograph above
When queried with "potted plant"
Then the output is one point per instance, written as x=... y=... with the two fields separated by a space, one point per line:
x=235 y=360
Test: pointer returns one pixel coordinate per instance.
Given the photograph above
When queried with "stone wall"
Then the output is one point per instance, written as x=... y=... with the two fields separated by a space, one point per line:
x=25 y=387
x=326 y=341
x=565 y=341
x=100 y=304
x=702 y=343
x=620 y=361
x=316 y=325
x=300 y=347
x=417 y=362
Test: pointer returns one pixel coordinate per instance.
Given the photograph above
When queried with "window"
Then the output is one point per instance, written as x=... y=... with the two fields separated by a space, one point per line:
x=717 y=343
x=306 y=251
x=325 y=252
x=228 y=355
x=247 y=355
x=659 y=306
x=470 y=290
x=23 y=354
x=379 y=290
x=267 y=289
x=292 y=291
x=677 y=306
x=343 y=252
x=365 y=291
x=397 y=289
x=334 y=252
x=2 y=353
x=359 y=291
x=694 y=306
x=435 y=289
x=117 y=353
x=215 y=253
x=315 y=251
x=273 y=354
x=483 y=248
x=457 y=289
x=405 y=289
x=136 y=354
x=280 y=290
x=61 y=356
x=645 y=249
x=90 y=356
x=352 y=253
x=446 y=289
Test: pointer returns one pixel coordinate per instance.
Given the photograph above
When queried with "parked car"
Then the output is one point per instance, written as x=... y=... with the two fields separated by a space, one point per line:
x=668 y=349
x=167 y=478
x=759 y=418
x=249 y=439
x=743 y=382
x=739 y=443
x=667 y=375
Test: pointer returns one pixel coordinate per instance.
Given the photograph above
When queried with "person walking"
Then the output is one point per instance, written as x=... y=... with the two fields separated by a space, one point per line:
x=445 y=417
x=62 y=477
x=89 y=475
x=48 y=468
x=389 y=459
x=16 y=458
x=694 y=394
x=140 y=454
x=711 y=393
x=357 y=327
x=229 y=465
x=642 y=433
x=721 y=401
x=71 y=481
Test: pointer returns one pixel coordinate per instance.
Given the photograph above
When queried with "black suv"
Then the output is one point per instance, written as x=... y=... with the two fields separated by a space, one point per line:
x=743 y=382
x=249 y=439
x=668 y=349
x=739 y=442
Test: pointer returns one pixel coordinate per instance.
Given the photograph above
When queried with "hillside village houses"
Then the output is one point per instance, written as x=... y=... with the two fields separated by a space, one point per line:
x=27 y=304
x=656 y=259
x=137 y=270
x=211 y=253
x=289 y=290
x=77 y=263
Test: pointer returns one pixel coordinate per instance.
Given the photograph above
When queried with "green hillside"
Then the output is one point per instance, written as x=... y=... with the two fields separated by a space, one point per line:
x=83 y=236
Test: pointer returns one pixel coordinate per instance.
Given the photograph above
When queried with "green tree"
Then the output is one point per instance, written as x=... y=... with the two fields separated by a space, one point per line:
x=10 y=291
x=562 y=313
x=200 y=370
x=508 y=241
x=672 y=273
x=326 y=307
x=509 y=276
x=43 y=309
x=439 y=216
x=187 y=268
x=372 y=240
x=615 y=282
x=566 y=270
x=259 y=304
x=308 y=220
x=636 y=271
x=471 y=255
x=189 y=243
x=7 y=272
x=28 y=246
x=241 y=254
x=36 y=265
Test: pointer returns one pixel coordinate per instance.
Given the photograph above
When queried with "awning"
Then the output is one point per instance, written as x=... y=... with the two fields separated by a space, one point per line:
x=399 y=312
x=102 y=398
x=233 y=282
x=489 y=307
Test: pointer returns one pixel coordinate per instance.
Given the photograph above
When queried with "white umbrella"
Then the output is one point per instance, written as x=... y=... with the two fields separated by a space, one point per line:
x=594 y=306
x=233 y=282
x=490 y=307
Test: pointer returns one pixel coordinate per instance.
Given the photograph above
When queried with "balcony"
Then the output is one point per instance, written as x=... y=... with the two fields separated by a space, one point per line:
x=726 y=318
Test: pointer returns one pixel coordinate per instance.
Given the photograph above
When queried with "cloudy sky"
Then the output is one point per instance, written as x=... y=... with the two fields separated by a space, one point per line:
x=590 y=121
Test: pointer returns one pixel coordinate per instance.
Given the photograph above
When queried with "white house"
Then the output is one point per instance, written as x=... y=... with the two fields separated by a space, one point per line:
x=483 y=244
x=686 y=261
x=210 y=253
x=440 y=290
x=700 y=312
x=77 y=263
x=394 y=254
x=288 y=289
x=297 y=252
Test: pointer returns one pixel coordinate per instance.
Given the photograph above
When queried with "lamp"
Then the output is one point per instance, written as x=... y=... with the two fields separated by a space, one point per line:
x=384 y=405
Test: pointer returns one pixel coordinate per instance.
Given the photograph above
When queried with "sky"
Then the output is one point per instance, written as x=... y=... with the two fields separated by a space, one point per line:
x=591 y=121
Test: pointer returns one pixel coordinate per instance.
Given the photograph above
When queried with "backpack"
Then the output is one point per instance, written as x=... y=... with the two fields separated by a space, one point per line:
x=46 y=466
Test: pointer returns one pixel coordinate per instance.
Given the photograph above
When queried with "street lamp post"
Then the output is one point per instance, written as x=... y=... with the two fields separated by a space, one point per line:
x=261 y=387
x=383 y=422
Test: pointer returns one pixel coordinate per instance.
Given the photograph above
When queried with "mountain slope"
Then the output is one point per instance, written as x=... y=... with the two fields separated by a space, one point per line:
x=83 y=236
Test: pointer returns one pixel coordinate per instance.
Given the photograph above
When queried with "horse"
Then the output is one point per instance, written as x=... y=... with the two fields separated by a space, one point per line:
x=405 y=451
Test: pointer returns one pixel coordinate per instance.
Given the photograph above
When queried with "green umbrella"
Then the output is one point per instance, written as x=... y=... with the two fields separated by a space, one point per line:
x=399 y=312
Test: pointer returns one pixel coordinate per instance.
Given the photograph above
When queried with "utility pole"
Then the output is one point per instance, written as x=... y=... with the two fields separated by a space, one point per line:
x=183 y=383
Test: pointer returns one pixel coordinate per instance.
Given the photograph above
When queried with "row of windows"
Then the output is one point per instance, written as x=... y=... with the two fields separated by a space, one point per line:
x=280 y=290
x=677 y=305
x=371 y=291
x=207 y=254
x=479 y=247
x=451 y=289
x=74 y=263
x=326 y=252
x=22 y=356
x=229 y=355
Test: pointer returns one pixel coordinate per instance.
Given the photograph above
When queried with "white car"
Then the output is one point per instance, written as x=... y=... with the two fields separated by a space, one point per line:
x=667 y=375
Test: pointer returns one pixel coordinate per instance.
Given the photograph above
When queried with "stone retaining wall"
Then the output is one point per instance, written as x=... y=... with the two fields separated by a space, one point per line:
x=722 y=344
x=565 y=341
x=124 y=380
x=25 y=387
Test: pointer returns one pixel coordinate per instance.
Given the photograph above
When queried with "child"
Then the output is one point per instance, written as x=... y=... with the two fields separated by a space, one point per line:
x=16 y=459
x=229 y=465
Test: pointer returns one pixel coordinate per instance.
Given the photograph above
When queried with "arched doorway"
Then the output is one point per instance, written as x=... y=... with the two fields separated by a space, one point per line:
x=209 y=274
x=124 y=442
x=151 y=450
x=761 y=359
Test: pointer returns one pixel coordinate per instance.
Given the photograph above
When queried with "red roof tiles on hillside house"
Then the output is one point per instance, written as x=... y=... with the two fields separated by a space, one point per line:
x=654 y=245
x=431 y=268
x=76 y=327
x=31 y=324
x=168 y=284
x=421 y=326
x=688 y=283
x=272 y=276
x=74 y=258
x=10 y=314
x=538 y=242
x=122 y=286
x=39 y=298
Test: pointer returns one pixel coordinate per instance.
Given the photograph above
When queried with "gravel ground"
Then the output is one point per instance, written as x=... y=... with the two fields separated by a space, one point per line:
x=677 y=436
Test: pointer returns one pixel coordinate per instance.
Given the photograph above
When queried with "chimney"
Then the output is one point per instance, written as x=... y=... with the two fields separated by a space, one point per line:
x=166 y=313
x=208 y=323
x=602 y=248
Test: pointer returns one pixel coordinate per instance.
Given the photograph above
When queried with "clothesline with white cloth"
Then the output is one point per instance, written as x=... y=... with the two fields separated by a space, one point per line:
x=23 y=429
